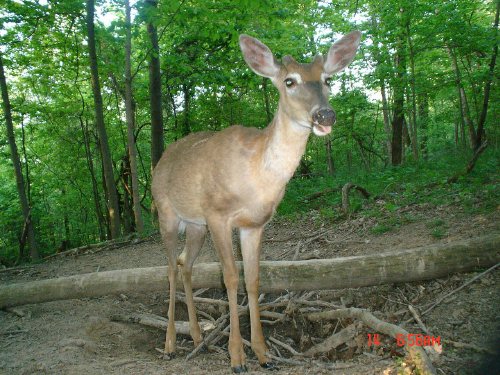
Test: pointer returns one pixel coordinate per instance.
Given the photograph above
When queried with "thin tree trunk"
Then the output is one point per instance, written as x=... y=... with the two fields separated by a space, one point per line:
x=387 y=121
x=30 y=232
x=329 y=157
x=423 y=116
x=186 y=125
x=413 y=123
x=130 y=115
x=462 y=98
x=113 y=205
x=95 y=188
x=487 y=86
x=155 y=98
x=399 y=98
x=385 y=107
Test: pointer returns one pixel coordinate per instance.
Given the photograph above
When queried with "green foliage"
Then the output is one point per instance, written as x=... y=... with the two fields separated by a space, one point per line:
x=425 y=182
x=207 y=86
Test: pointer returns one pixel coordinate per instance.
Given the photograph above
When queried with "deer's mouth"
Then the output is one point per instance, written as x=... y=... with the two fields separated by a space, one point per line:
x=323 y=119
x=321 y=130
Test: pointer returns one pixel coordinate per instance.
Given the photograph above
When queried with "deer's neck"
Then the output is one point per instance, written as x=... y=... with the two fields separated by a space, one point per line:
x=286 y=143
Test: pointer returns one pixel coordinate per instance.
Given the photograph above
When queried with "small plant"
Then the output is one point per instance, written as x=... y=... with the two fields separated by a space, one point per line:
x=439 y=233
x=438 y=228
x=381 y=228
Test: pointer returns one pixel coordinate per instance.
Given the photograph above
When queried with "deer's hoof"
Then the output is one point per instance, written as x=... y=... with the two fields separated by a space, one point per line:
x=168 y=356
x=271 y=366
x=239 y=369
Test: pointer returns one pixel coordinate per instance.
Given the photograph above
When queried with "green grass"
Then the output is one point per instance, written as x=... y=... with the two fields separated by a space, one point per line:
x=394 y=187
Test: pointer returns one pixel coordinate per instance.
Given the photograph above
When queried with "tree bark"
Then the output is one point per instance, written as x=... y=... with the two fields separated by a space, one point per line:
x=399 y=266
x=413 y=128
x=329 y=157
x=462 y=99
x=95 y=189
x=186 y=122
x=113 y=206
x=130 y=116
x=155 y=98
x=14 y=154
x=487 y=86
x=398 y=116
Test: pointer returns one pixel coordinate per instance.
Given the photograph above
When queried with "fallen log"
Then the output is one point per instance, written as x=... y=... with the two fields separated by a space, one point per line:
x=424 y=263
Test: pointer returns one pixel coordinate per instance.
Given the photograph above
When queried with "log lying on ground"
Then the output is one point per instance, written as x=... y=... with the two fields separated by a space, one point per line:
x=424 y=263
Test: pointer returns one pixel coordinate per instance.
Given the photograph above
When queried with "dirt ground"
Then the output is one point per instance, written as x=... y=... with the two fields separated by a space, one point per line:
x=79 y=337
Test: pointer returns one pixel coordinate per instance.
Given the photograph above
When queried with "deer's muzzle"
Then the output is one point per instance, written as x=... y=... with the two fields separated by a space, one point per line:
x=323 y=120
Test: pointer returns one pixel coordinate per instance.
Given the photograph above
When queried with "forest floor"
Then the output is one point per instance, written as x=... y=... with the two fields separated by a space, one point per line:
x=79 y=337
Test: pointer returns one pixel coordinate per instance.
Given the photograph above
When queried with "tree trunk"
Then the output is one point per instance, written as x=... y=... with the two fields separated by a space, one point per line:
x=14 y=154
x=413 y=129
x=487 y=86
x=329 y=157
x=399 y=266
x=155 y=98
x=385 y=107
x=387 y=121
x=130 y=115
x=113 y=206
x=186 y=124
x=462 y=99
x=95 y=188
x=398 y=116
x=423 y=116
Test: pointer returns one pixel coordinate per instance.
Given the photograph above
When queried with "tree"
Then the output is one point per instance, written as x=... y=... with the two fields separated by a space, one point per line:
x=113 y=206
x=130 y=114
x=155 y=98
x=28 y=230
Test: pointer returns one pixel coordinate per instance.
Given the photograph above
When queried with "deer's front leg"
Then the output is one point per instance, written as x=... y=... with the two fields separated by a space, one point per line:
x=221 y=235
x=250 y=248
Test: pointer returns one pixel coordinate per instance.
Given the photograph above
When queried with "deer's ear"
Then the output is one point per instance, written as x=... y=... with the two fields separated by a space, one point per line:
x=259 y=57
x=342 y=52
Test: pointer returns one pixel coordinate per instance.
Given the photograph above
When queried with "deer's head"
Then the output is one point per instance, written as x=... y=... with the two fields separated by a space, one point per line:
x=304 y=88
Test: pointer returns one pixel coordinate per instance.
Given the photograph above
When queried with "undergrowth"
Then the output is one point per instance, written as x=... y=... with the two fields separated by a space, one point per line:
x=391 y=188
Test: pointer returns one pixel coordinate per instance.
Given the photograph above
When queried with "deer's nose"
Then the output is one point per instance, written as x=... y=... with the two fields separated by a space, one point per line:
x=325 y=117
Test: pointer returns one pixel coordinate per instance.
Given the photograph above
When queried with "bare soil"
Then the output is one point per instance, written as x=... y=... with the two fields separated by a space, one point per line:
x=78 y=336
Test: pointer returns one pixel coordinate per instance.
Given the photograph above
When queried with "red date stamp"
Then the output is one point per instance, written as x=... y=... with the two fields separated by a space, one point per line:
x=409 y=339
x=418 y=339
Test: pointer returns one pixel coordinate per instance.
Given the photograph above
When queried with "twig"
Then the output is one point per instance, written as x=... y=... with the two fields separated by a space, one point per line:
x=441 y=299
x=218 y=327
x=151 y=320
x=333 y=341
x=13 y=332
x=479 y=349
x=417 y=319
x=418 y=355
x=285 y=346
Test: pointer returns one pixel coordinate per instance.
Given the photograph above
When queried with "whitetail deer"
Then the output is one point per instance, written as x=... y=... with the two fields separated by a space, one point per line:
x=235 y=178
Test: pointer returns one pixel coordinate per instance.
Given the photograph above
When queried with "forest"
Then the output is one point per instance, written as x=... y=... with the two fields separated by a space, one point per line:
x=93 y=92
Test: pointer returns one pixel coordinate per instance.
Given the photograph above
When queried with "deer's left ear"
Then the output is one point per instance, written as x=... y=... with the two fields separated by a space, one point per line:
x=259 y=57
x=342 y=52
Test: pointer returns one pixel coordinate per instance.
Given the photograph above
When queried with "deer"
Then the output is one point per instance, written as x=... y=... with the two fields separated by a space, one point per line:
x=235 y=179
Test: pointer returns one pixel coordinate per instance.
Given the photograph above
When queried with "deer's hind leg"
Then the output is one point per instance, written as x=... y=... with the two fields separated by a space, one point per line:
x=195 y=237
x=169 y=227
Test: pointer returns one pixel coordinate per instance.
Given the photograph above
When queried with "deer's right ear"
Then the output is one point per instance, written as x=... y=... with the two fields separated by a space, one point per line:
x=259 y=57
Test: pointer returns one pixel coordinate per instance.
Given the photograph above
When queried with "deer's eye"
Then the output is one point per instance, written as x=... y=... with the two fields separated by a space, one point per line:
x=290 y=82
x=328 y=81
